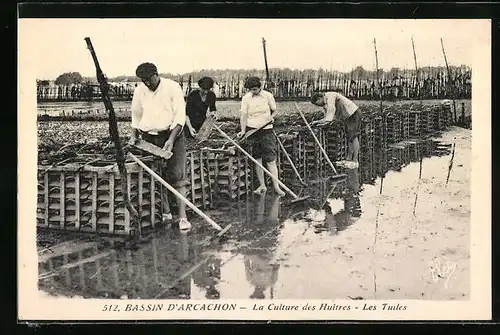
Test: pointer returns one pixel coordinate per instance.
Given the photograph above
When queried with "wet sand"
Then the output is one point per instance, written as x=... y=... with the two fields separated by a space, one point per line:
x=366 y=245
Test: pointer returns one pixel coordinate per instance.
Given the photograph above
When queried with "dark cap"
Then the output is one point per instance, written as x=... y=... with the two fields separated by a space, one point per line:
x=146 y=70
x=206 y=83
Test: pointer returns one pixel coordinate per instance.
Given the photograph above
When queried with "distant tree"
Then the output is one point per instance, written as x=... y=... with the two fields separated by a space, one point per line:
x=69 y=78
x=43 y=82
x=359 y=72
x=89 y=80
x=394 y=72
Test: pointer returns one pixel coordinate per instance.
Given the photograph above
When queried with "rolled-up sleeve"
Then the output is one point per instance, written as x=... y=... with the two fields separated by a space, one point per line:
x=271 y=102
x=136 y=108
x=178 y=107
x=330 y=108
x=244 y=106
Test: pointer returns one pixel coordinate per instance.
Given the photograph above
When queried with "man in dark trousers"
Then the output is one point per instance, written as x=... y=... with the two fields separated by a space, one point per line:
x=338 y=107
x=158 y=116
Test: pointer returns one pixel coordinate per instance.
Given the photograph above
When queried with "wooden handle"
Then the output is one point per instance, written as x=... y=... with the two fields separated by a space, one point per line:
x=288 y=158
x=175 y=192
x=256 y=162
x=316 y=139
x=253 y=131
x=152 y=149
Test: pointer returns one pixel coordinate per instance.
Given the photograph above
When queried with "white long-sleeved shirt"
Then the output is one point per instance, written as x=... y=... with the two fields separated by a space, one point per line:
x=336 y=105
x=257 y=108
x=160 y=110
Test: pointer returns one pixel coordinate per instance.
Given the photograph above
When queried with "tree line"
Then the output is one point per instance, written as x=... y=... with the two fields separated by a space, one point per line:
x=359 y=72
x=284 y=83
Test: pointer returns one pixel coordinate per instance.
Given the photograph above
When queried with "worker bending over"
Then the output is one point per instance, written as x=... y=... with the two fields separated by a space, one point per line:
x=338 y=107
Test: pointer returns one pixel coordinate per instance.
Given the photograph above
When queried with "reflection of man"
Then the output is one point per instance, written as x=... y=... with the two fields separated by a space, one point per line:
x=260 y=210
x=208 y=275
x=261 y=272
x=181 y=288
x=339 y=220
x=352 y=202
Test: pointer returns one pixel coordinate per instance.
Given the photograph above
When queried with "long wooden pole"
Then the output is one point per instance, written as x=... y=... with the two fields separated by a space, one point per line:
x=113 y=132
x=416 y=71
x=289 y=159
x=256 y=162
x=376 y=68
x=175 y=192
x=449 y=79
x=316 y=139
x=381 y=105
x=265 y=60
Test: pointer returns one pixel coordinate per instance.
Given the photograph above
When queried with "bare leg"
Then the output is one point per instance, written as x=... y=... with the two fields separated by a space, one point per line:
x=350 y=150
x=164 y=200
x=180 y=203
x=167 y=212
x=355 y=149
x=274 y=211
x=261 y=207
x=273 y=168
x=260 y=177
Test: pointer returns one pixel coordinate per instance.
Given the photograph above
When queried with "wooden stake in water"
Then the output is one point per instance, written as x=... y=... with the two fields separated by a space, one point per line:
x=416 y=72
x=378 y=79
x=449 y=79
x=450 y=166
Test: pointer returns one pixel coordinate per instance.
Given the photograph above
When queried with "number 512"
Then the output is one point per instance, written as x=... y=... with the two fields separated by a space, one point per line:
x=109 y=308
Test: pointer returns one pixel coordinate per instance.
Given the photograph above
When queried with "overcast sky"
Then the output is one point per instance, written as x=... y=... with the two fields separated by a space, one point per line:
x=184 y=45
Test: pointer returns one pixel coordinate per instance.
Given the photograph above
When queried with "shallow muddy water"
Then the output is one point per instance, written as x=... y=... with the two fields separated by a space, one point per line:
x=400 y=237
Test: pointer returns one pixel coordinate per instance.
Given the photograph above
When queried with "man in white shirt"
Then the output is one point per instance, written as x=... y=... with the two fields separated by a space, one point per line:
x=158 y=116
x=338 y=107
x=257 y=107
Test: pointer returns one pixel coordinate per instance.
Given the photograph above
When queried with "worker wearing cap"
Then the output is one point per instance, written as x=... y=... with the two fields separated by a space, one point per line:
x=158 y=117
x=198 y=102
x=338 y=107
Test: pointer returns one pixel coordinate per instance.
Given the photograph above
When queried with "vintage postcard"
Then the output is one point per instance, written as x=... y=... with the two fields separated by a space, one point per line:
x=254 y=169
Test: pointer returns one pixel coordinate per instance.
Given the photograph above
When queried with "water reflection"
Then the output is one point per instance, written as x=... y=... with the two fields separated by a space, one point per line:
x=342 y=205
x=260 y=268
x=208 y=277
x=179 y=266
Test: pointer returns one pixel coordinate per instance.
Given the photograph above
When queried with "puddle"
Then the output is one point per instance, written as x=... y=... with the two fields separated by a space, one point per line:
x=370 y=236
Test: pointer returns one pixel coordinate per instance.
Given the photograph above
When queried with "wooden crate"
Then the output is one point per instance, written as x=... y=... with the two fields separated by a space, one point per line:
x=230 y=172
x=415 y=121
x=440 y=118
x=405 y=125
x=89 y=198
x=198 y=190
x=376 y=130
x=285 y=169
x=394 y=127
x=427 y=124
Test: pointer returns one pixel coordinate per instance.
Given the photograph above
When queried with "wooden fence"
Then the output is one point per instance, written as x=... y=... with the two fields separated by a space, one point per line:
x=299 y=85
